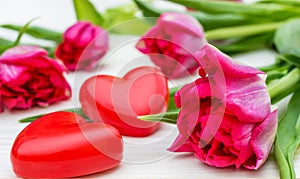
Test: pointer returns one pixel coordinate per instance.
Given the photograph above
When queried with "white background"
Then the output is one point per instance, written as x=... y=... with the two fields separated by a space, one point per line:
x=143 y=157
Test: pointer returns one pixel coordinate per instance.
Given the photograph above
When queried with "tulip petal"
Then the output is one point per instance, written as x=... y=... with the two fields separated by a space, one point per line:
x=87 y=34
x=262 y=139
x=241 y=135
x=147 y=43
x=73 y=33
x=248 y=99
x=215 y=155
x=181 y=144
x=175 y=19
x=9 y=72
x=210 y=55
x=26 y=76
x=198 y=89
x=1 y=104
x=22 y=56
x=21 y=53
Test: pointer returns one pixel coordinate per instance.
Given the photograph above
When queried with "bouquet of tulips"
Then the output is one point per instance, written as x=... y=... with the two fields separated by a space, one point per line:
x=226 y=117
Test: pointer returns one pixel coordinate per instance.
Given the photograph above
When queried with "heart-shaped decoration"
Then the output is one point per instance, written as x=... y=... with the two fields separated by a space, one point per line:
x=118 y=101
x=62 y=144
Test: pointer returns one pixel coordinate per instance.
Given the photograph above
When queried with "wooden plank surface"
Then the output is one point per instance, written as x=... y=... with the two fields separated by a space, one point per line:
x=144 y=158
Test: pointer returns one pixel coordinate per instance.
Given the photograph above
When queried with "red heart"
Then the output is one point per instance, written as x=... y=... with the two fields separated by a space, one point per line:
x=62 y=144
x=118 y=101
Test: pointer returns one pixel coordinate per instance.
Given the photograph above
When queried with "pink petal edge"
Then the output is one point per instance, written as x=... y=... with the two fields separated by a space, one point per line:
x=263 y=137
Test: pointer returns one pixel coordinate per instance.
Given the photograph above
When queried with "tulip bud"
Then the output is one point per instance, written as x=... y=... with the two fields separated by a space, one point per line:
x=172 y=42
x=84 y=44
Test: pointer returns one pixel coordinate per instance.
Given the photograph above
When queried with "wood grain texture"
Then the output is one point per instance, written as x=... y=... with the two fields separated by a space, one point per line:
x=144 y=157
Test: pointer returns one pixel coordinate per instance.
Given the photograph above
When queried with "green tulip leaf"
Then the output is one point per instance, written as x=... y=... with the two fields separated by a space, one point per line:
x=36 y=32
x=22 y=31
x=85 y=11
x=290 y=59
x=287 y=38
x=245 y=44
x=5 y=44
x=293 y=3
x=288 y=138
x=272 y=11
x=123 y=20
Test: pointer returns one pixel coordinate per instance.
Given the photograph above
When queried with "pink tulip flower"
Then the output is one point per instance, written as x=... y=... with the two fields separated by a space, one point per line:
x=28 y=77
x=234 y=127
x=172 y=42
x=84 y=44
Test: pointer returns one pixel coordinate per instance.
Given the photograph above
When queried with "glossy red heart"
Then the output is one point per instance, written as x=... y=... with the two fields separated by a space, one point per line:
x=62 y=144
x=118 y=101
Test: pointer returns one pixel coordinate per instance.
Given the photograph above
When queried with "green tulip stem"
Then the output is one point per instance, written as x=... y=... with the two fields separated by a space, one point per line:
x=242 y=31
x=285 y=85
x=168 y=117
x=74 y=110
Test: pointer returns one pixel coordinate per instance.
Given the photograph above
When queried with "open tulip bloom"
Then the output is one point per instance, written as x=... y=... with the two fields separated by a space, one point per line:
x=28 y=77
x=225 y=116
x=233 y=127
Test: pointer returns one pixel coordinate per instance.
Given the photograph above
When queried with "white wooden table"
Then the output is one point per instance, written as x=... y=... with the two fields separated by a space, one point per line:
x=143 y=157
